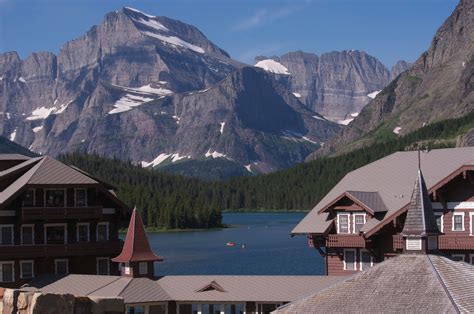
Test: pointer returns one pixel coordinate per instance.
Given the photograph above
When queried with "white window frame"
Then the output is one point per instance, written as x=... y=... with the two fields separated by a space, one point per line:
x=52 y=189
x=440 y=214
x=33 y=234
x=75 y=197
x=360 y=259
x=56 y=265
x=348 y=223
x=471 y=227
x=34 y=198
x=88 y=231
x=344 y=259
x=1 y=270
x=142 y=268
x=452 y=221
x=32 y=268
x=459 y=255
x=354 y=220
x=56 y=225
x=97 y=231
x=97 y=265
x=13 y=234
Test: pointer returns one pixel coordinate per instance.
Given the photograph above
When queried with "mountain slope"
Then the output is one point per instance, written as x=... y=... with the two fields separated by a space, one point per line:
x=336 y=84
x=150 y=88
x=438 y=86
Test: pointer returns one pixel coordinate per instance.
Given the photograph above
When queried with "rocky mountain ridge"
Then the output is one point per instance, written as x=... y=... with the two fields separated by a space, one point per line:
x=337 y=84
x=438 y=86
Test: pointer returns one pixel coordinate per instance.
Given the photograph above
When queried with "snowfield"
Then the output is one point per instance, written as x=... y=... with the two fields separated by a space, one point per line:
x=272 y=66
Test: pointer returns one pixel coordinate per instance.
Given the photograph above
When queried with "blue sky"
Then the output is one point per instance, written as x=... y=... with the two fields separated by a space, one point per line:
x=388 y=29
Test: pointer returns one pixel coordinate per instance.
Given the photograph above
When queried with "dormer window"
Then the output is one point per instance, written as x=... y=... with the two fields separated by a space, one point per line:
x=343 y=223
x=359 y=222
x=458 y=222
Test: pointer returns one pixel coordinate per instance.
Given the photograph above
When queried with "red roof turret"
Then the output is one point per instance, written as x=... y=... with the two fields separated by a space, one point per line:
x=136 y=247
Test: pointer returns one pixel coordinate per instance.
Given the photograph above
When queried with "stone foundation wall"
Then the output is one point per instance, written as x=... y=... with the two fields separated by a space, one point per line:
x=27 y=302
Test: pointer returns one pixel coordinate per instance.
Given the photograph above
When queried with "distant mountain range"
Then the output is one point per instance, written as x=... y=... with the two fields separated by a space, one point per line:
x=438 y=86
x=158 y=92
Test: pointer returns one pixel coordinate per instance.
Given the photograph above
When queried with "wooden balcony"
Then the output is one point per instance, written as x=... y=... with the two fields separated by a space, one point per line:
x=450 y=242
x=46 y=213
x=345 y=240
x=61 y=250
x=445 y=242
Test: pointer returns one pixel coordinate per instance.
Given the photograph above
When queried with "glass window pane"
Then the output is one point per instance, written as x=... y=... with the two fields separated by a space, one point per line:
x=82 y=233
x=7 y=272
x=55 y=235
x=103 y=266
x=349 y=257
x=29 y=198
x=359 y=222
x=26 y=269
x=343 y=223
x=54 y=198
x=27 y=234
x=157 y=309
x=458 y=223
x=7 y=235
x=102 y=232
x=61 y=267
x=81 y=197
x=366 y=260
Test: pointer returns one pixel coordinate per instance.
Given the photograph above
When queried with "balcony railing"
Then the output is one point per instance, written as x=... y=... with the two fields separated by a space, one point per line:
x=445 y=242
x=59 y=250
x=449 y=242
x=345 y=240
x=40 y=213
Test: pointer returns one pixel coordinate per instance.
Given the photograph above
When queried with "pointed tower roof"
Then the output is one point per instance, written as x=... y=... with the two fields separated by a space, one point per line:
x=420 y=219
x=136 y=247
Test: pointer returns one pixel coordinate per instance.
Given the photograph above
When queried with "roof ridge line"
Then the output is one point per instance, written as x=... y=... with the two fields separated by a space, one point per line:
x=119 y=277
x=441 y=281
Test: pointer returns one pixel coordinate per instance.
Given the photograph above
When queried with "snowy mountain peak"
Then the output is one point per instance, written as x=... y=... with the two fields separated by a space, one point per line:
x=273 y=66
x=139 y=12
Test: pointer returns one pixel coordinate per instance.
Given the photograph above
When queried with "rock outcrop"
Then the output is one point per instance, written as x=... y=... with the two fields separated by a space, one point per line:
x=438 y=86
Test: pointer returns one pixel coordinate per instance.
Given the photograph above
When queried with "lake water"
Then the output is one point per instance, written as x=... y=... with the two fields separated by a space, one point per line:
x=269 y=248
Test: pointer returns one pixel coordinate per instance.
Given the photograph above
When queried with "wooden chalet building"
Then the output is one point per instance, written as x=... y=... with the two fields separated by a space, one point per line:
x=360 y=221
x=55 y=219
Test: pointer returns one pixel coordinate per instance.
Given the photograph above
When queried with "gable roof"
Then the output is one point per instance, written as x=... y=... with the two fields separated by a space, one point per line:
x=185 y=288
x=392 y=178
x=403 y=284
x=136 y=247
x=213 y=285
x=420 y=219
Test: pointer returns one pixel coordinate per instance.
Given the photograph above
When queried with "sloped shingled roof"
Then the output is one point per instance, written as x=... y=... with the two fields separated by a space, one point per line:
x=186 y=288
x=415 y=283
x=420 y=219
x=392 y=178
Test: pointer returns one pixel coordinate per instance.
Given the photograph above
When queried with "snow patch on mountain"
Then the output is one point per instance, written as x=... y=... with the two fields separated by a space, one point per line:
x=272 y=66
x=42 y=113
x=37 y=129
x=176 y=118
x=128 y=102
x=175 y=41
x=222 y=124
x=309 y=140
x=163 y=157
x=373 y=94
x=214 y=154
x=297 y=95
x=248 y=167
x=397 y=130
x=153 y=24
x=22 y=79
x=142 y=13
x=147 y=89
x=13 y=135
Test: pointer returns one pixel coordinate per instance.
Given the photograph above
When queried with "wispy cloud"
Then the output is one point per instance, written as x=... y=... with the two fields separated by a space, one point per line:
x=266 y=15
